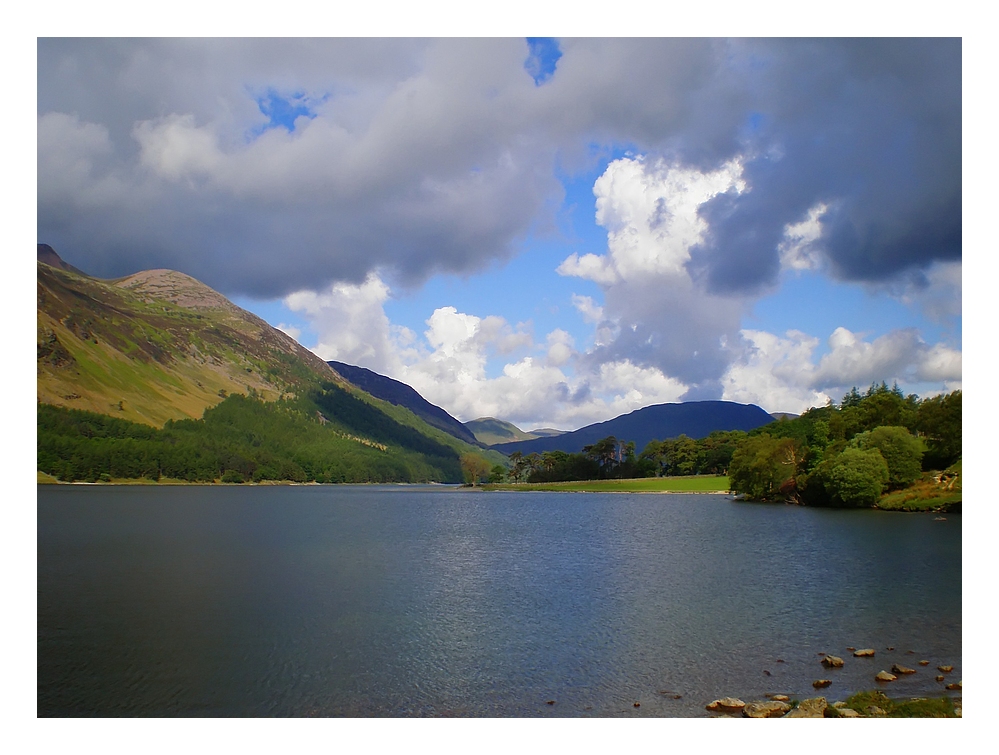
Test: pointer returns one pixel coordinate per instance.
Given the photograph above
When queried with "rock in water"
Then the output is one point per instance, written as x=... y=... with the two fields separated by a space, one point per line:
x=820 y=683
x=898 y=668
x=863 y=653
x=884 y=676
x=832 y=661
x=726 y=705
x=766 y=709
x=813 y=707
x=945 y=669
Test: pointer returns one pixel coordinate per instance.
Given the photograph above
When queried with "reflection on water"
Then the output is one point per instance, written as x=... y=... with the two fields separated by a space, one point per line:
x=430 y=601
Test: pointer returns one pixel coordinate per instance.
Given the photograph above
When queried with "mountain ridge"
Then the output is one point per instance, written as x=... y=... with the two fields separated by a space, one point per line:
x=401 y=394
x=695 y=419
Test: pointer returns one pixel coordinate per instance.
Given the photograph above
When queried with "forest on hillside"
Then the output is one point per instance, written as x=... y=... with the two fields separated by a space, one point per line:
x=327 y=435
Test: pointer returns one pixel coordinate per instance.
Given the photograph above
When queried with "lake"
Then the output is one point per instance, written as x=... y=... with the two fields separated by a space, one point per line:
x=409 y=601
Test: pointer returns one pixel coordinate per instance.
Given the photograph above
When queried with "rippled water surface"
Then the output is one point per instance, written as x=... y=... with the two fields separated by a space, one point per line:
x=431 y=601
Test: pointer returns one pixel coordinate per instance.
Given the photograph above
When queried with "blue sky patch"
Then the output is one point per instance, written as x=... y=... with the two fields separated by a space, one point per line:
x=543 y=58
x=281 y=110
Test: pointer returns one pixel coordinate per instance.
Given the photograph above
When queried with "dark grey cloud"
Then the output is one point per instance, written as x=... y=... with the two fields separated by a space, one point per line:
x=427 y=156
x=870 y=128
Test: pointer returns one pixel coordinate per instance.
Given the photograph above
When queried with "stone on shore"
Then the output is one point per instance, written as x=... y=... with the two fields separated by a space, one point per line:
x=898 y=668
x=884 y=676
x=726 y=705
x=813 y=707
x=863 y=653
x=848 y=713
x=832 y=661
x=766 y=709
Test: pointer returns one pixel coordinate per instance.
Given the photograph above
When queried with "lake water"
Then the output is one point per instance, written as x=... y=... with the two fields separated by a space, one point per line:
x=436 y=601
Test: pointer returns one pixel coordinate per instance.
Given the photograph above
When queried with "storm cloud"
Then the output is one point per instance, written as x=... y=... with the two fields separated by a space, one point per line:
x=265 y=167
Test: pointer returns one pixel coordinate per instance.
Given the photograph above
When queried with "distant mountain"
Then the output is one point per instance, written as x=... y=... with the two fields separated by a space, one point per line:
x=490 y=431
x=400 y=394
x=695 y=419
x=545 y=432
x=783 y=415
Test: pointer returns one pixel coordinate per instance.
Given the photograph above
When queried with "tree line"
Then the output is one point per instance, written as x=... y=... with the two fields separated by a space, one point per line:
x=844 y=455
x=851 y=454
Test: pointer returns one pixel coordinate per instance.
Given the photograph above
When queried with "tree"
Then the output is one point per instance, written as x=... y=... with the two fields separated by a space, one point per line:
x=855 y=477
x=939 y=420
x=473 y=468
x=902 y=452
x=762 y=466
x=497 y=474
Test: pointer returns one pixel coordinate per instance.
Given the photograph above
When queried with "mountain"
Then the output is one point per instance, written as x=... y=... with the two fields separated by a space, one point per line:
x=545 y=432
x=491 y=431
x=783 y=415
x=400 y=394
x=156 y=346
x=213 y=387
x=695 y=419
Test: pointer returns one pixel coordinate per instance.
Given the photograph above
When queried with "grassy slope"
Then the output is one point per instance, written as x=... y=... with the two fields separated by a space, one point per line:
x=491 y=431
x=934 y=491
x=111 y=349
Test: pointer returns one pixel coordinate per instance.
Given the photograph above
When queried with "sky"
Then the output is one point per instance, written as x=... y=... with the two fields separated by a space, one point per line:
x=553 y=232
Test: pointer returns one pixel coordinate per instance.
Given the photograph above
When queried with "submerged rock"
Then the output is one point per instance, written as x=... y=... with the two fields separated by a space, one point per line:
x=813 y=707
x=766 y=709
x=863 y=653
x=832 y=661
x=726 y=705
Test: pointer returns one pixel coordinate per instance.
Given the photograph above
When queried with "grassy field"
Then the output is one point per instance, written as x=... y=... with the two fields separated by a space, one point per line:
x=693 y=484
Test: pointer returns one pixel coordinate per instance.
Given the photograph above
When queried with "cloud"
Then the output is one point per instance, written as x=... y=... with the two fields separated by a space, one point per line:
x=654 y=313
x=421 y=157
x=899 y=355
x=538 y=383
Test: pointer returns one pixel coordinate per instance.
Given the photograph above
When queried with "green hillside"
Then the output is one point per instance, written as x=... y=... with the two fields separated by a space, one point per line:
x=158 y=375
x=490 y=431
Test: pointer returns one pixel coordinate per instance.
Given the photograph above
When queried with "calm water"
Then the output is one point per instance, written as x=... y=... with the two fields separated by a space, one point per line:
x=431 y=601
